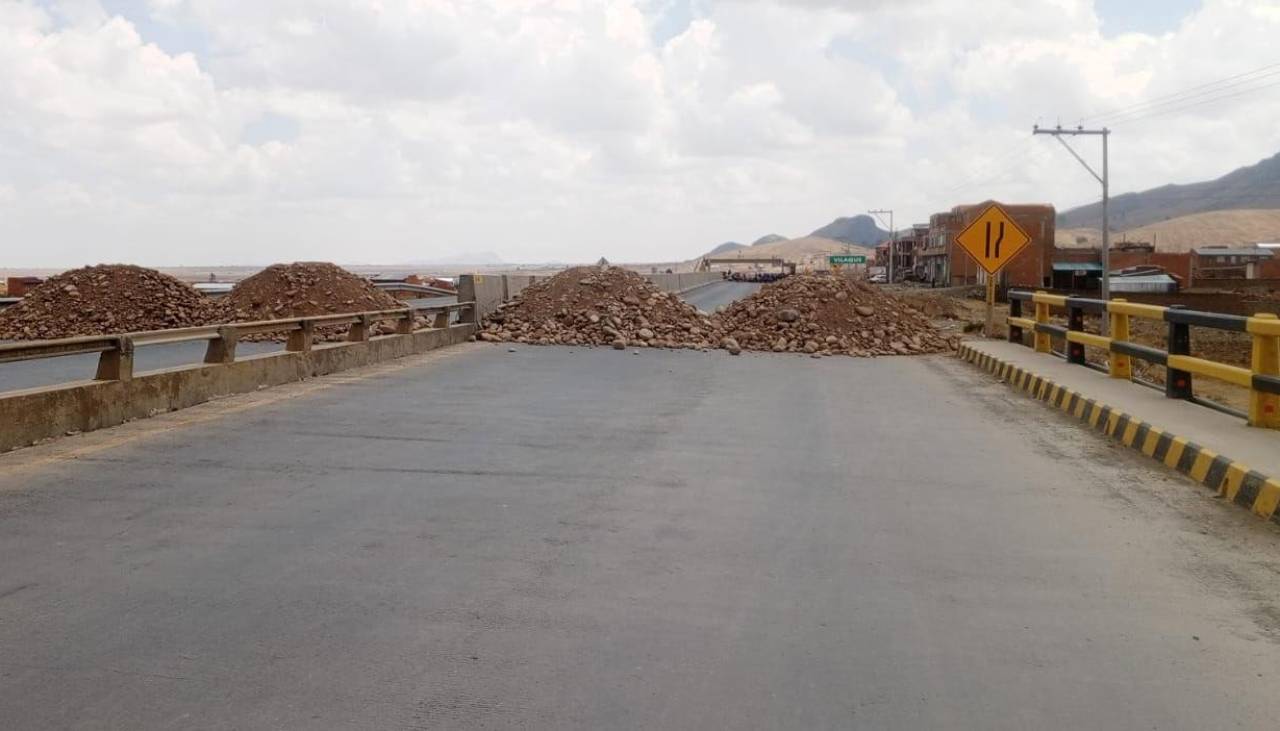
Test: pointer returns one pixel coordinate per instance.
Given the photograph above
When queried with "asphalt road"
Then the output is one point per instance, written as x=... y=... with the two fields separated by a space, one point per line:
x=568 y=539
x=713 y=295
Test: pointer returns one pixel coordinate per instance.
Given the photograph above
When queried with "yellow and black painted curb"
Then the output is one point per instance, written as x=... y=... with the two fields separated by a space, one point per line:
x=1230 y=479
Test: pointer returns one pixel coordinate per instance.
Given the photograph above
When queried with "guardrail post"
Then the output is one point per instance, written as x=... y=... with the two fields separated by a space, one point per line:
x=1015 y=310
x=1264 y=407
x=1075 y=322
x=359 y=331
x=222 y=349
x=116 y=364
x=1043 y=343
x=1121 y=366
x=300 y=339
x=404 y=326
x=441 y=320
x=1177 y=383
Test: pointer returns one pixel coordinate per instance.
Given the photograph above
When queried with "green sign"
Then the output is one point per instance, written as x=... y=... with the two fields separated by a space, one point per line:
x=846 y=259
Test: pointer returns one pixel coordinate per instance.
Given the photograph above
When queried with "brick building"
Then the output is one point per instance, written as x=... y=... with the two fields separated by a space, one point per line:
x=1221 y=262
x=1199 y=267
x=1031 y=268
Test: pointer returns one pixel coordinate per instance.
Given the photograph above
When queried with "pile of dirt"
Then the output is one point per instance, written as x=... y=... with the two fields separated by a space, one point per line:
x=303 y=289
x=599 y=306
x=104 y=300
x=829 y=315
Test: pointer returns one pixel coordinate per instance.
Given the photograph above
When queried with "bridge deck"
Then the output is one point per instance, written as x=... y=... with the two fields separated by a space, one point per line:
x=592 y=539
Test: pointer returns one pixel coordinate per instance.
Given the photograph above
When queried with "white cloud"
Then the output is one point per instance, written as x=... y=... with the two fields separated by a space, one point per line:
x=569 y=129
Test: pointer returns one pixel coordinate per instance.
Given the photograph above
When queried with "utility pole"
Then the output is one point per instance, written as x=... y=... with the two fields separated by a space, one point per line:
x=893 y=237
x=1058 y=133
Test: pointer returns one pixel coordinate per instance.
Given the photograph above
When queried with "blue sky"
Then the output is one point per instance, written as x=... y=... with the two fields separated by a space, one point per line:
x=1143 y=16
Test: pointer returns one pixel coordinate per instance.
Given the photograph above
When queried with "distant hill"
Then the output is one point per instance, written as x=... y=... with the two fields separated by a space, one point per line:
x=861 y=230
x=725 y=248
x=768 y=239
x=1253 y=187
x=1221 y=228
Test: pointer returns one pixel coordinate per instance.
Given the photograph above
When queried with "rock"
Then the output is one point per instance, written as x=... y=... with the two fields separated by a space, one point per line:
x=864 y=311
x=842 y=295
x=788 y=315
x=619 y=344
x=810 y=347
x=645 y=334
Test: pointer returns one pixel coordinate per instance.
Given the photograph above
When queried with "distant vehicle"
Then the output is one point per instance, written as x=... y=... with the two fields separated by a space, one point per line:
x=877 y=279
x=761 y=277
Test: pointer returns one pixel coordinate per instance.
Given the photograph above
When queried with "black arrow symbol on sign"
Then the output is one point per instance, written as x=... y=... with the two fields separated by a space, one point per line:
x=999 y=238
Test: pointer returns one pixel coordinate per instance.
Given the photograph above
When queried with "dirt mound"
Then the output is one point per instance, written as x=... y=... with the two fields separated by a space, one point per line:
x=829 y=315
x=599 y=306
x=104 y=300
x=303 y=289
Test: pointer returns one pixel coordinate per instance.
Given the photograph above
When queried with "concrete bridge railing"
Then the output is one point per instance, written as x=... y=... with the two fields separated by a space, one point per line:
x=116 y=394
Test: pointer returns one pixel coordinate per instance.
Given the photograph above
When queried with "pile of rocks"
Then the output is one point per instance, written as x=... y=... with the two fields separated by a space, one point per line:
x=813 y=314
x=828 y=315
x=600 y=306
x=304 y=289
x=104 y=300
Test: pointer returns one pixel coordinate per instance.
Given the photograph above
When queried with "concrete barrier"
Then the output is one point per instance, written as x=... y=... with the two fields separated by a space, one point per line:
x=486 y=290
x=517 y=282
x=29 y=416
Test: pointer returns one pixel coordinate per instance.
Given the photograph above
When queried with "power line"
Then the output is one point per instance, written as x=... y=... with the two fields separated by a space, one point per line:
x=994 y=169
x=1194 y=91
x=1195 y=104
x=1013 y=162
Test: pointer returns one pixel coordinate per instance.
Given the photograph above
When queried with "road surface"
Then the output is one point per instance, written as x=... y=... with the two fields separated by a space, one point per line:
x=561 y=538
x=713 y=295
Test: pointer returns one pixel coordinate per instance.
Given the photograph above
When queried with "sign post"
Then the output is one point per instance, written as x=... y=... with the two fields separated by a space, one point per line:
x=992 y=240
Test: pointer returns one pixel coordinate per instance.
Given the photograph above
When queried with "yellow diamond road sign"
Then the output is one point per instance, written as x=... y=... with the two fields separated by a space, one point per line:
x=993 y=239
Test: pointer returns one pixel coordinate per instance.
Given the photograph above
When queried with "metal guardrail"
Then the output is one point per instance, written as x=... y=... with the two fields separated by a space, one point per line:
x=1262 y=379
x=115 y=360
